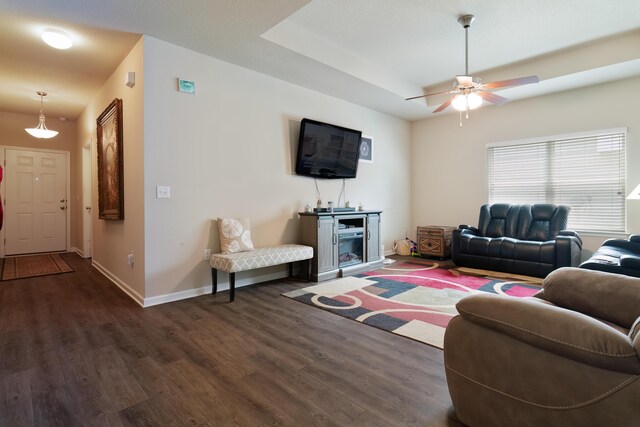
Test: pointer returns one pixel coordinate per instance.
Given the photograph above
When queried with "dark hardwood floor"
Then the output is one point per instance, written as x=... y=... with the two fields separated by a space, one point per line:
x=76 y=351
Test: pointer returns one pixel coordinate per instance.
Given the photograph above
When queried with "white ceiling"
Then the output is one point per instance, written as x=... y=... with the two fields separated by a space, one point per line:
x=370 y=52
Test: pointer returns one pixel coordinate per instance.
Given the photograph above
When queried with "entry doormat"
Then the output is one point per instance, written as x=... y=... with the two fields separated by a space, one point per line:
x=21 y=267
x=416 y=300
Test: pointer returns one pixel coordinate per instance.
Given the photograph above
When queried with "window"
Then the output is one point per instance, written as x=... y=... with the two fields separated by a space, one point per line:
x=585 y=171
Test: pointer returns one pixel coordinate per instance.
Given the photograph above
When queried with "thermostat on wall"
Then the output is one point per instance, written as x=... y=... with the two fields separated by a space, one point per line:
x=187 y=86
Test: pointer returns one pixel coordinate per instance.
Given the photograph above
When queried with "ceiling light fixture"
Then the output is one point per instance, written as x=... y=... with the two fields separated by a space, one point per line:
x=41 y=130
x=468 y=101
x=57 y=39
x=469 y=92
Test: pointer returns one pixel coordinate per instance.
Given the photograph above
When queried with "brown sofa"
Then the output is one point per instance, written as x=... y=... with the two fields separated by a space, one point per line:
x=568 y=356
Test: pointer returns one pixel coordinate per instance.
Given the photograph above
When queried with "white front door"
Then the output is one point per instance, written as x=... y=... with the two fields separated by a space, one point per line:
x=35 y=202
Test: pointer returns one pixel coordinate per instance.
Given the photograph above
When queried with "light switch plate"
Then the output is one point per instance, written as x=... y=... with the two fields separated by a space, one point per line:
x=163 y=192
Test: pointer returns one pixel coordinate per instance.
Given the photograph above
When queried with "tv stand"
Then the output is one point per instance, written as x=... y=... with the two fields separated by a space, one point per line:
x=344 y=242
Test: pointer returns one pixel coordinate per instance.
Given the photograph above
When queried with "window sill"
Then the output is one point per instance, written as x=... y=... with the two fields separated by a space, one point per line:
x=612 y=234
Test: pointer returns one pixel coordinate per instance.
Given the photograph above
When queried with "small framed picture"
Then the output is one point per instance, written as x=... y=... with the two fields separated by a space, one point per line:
x=366 y=149
x=187 y=86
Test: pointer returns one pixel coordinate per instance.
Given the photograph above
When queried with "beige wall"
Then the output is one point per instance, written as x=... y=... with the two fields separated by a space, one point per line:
x=229 y=150
x=12 y=133
x=114 y=240
x=449 y=163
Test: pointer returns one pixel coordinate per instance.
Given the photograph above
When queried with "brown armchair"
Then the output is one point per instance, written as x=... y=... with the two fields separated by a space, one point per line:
x=568 y=356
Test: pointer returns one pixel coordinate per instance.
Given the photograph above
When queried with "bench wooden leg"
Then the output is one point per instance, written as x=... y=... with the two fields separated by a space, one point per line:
x=232 y=283
x=232 y=286
x=305 y=269
x=214 y=281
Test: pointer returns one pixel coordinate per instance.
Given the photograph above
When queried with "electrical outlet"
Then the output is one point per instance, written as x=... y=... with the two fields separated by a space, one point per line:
x=130 y=259
x=207 y=254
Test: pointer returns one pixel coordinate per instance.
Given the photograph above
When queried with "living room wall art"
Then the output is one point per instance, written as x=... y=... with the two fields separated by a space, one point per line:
x=110 y=163
x=366 y=149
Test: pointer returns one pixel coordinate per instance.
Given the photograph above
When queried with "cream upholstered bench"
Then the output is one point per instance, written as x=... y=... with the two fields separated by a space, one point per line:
x=258 y=258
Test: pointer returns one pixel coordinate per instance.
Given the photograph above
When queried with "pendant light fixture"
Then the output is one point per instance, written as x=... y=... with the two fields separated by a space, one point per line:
x=41 y=130
x=57 y=39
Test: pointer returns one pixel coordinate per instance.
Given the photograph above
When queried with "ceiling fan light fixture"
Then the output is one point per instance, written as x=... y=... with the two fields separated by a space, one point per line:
x=469 y=92
x=472 y=100
x=41 y=130
x=57 y=39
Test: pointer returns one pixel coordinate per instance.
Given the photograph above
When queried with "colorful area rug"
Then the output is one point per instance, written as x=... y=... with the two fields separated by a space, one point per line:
x=34 y=265
x=416 y=300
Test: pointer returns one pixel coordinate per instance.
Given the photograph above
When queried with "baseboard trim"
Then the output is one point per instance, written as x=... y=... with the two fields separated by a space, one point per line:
x=223 y=285
x=78 y=251
x=176 y=296
x=132 y=293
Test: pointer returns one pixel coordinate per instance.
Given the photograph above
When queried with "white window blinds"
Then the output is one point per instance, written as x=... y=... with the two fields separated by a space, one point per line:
x=586 y=172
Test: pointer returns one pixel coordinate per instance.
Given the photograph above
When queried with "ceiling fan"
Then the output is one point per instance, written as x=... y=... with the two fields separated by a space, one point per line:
x=468 y=92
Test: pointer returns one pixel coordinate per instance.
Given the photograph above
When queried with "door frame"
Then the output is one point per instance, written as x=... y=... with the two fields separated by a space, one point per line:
x=86 y=251
x=70 y=202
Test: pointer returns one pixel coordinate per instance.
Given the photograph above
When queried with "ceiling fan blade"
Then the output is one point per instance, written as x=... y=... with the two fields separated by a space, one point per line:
x=492 y=97
x=512 y=82
x=429 y=94
x=444 y=105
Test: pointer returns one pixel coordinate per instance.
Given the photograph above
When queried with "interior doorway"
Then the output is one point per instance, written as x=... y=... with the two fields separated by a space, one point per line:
x=36 y=201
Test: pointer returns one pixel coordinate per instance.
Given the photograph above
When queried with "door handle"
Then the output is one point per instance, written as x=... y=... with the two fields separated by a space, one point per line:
x=88 y=208
x=62 y=200
x=63 y=208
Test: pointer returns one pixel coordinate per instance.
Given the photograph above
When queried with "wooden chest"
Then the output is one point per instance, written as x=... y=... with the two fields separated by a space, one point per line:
x=435 y=241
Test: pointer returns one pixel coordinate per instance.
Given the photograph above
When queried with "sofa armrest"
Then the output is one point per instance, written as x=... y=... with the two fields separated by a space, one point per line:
x=571 y=233
x=469 y=227
x=635 y=238
x=629 y=245
x=630 y=261
x=608 y=296
x=563 y=332
x=568 y=251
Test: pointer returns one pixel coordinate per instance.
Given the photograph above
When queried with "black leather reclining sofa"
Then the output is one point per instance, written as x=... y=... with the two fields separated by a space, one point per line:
x=520 y=239
x=621 y=256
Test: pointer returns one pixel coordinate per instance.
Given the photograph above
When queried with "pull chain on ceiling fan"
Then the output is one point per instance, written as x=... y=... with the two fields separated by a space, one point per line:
x=468 y=93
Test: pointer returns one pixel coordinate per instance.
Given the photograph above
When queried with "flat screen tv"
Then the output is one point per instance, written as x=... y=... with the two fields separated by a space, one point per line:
x=327 y=151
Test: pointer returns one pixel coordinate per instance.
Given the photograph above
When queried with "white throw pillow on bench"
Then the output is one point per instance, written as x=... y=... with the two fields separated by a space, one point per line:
x=235 y=235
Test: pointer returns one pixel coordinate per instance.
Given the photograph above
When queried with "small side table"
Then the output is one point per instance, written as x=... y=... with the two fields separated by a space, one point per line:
x=435 y=241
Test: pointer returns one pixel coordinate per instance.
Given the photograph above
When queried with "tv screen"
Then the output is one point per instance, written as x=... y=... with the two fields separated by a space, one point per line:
x=327 y=151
